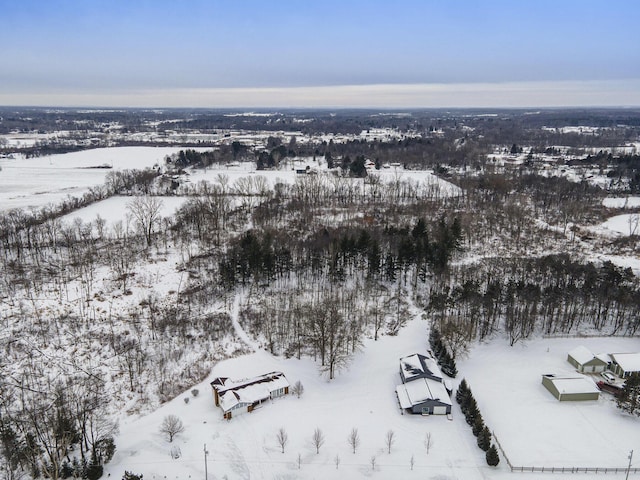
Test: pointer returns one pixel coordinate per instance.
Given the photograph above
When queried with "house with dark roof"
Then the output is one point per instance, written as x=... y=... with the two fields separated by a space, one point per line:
x=235 y=397
x=418 y=366
x=422 y=390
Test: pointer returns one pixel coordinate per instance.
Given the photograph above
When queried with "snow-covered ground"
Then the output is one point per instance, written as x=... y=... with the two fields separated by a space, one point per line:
x=115 y=209
x=627 y=224
x=362 y=397
x=532 y=426
x=288 y=175
x=36 y=182
x=622 y=202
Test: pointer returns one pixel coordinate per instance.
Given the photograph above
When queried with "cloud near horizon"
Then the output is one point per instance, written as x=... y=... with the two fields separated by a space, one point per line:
x=605 y=93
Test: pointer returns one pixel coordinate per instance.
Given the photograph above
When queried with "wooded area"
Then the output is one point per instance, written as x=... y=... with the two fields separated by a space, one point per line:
x=319 y=265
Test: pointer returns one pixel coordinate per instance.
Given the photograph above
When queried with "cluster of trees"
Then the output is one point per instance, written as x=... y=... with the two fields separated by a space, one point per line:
x=59 y=430
x=627 y=167
x=472 y=415
x=445 y=359
x=384 y=254
x=553 y=294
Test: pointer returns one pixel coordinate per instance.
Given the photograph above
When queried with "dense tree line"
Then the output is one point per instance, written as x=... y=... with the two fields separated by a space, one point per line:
x=57 y=430
x=549 y=295
x=472 y=415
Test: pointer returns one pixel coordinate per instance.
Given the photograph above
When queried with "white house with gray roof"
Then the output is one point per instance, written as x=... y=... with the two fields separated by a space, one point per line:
x=235 y=397
x=422 y=390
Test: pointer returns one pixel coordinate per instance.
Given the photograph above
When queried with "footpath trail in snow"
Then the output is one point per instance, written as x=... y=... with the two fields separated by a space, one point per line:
x=235 y=314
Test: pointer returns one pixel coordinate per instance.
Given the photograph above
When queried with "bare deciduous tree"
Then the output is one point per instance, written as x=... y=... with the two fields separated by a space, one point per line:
x=282 y=438
x=389 y=440
x=317 y=439
x=146 y=211
x=336 y=460
x=428 y=442
x=171 y=426
x=354 y=439
x=373 y=462
x=298 y=389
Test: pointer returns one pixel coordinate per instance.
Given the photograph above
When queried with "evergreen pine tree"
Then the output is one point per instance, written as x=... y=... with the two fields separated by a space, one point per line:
x=131 y=476
x=629 y=399
x=478 y=425
x=484 y=439
x=463 y=388
x=448 y=364
x=66 y=470
x=472 y=411
x=453 y=370
x=492 y=456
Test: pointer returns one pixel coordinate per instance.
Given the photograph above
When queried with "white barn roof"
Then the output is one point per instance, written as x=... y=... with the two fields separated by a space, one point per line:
x=581 y=354
x=574 y=384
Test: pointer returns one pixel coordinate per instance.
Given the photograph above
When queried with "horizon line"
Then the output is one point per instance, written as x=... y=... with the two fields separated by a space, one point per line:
x=495 y=95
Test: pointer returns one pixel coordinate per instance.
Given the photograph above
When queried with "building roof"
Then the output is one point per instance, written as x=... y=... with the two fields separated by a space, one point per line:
x=629 y=362
x=251 y=390
x=581 y=354
x=573 y=384
x=422 y=390
x=420 y=366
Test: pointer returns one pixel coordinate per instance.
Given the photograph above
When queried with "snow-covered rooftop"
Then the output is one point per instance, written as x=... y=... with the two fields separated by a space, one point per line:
x=232 y=393
x=417 y=365
x=573 y=384
x=581 y=354
x=421 y=390
x=629 y=362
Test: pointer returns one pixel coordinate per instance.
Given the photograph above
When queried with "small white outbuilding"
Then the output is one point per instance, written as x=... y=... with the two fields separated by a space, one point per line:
x=585 y=361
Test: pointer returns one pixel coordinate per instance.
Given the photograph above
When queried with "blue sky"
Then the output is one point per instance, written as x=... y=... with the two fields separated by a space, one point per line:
x=320 y=53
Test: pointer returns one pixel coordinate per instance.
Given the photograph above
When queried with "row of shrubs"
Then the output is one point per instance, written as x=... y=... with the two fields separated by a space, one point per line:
x=471 y=412
x=441 y=352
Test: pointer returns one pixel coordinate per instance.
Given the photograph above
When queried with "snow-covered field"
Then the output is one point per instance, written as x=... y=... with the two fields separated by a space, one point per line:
x=36 y=182
x=627 y=224
x=532 y=426
x=622 y=202
x=288 y=175
x=115 y=209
